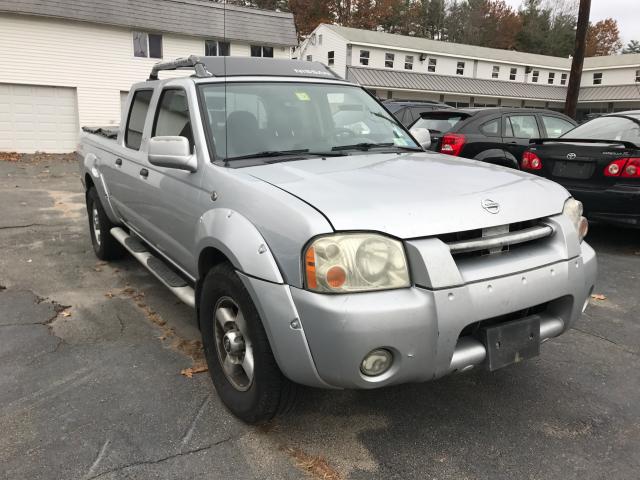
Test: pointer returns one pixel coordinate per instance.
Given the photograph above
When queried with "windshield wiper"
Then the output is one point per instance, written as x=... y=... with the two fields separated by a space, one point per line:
x=364 y=146
x=270 y=153
x=368 y=146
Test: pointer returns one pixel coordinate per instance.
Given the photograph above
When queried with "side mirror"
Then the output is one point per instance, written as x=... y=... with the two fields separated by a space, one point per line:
x=422 y=135
x=172 y=152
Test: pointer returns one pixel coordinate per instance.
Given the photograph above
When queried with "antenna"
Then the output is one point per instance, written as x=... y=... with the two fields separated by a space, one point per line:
x=224 y=72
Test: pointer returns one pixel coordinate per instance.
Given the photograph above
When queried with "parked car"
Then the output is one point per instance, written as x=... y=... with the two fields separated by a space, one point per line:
x=336 y=255
x=495 y=135
x=599 y=163
x=408 y=111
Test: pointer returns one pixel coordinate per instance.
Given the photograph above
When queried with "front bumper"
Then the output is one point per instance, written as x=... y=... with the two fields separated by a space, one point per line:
x=619 y=204
x=320 y=340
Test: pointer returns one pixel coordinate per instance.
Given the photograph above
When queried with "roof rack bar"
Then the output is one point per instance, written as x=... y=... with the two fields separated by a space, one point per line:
x=192 y=61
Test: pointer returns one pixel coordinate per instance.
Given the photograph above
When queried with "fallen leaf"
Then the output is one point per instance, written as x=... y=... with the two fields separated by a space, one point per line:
x=97 y=269
x=66 y=313
x=108 y=295
x=191 y=371
x=598 y=296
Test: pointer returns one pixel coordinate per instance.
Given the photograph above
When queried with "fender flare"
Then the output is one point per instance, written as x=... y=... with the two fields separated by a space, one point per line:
x=506 y=158
x=90 y=169
x=240 y=241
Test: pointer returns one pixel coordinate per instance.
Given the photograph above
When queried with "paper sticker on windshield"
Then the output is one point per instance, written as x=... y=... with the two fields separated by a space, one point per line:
x=400 y=142
x=303 y=96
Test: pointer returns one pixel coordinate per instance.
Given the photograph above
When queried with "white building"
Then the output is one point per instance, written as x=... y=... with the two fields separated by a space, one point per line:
x=70 y=63
x=404 y=67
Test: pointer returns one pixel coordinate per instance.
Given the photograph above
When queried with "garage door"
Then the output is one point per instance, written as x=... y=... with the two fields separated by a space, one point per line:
x=38 y=118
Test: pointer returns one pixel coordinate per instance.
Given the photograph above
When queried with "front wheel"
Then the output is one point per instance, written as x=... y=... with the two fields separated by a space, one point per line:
x=241 y=363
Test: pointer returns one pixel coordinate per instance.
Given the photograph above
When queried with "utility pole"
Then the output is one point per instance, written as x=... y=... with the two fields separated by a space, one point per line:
x=578 y=59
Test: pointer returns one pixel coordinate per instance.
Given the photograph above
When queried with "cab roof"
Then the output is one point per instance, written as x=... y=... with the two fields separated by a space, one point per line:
x=207 y=67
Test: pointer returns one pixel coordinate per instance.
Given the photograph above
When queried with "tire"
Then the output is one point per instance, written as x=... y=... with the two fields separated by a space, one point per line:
x=226 y=309
x=104 y=245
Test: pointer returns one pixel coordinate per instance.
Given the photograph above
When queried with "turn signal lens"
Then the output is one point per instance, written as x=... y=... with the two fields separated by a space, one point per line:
x=530 y=161
x=355 y=262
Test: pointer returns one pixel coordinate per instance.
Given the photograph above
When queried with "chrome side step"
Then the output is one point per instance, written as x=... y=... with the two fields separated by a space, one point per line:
x=470 y=352
x=156 y=266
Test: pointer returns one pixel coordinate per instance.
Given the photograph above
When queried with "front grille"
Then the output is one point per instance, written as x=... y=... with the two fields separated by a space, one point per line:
x=495 y=239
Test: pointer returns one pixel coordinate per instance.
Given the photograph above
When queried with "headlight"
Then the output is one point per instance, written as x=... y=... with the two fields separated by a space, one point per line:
x=355 y=262
x=573 y=210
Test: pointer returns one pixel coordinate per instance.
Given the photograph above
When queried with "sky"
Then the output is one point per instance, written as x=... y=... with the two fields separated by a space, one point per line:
x=626 y=12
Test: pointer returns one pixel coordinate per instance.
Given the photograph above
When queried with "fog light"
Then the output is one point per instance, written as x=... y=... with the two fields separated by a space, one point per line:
x=376 y=362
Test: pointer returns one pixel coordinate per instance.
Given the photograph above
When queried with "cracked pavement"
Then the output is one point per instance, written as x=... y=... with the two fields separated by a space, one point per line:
x=90 y=384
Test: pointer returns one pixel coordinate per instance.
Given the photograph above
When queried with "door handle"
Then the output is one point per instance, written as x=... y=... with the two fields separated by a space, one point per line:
x=144 y=172
x=119 y=162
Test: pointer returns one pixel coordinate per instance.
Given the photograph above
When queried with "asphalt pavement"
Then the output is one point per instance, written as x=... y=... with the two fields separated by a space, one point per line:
x=91 y=356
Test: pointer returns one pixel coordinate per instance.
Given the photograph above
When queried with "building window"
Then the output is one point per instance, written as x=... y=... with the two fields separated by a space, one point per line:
x=460 y=68
x=408 y=62
x=431 y=67
x=147 y=45
x=261 y=51
x=513 y=73
x=214 y=48
x=364 y=57
x=552 y=78
x=535 y=76
x=309 y=58
x=637 y=75
x=319 y=39
x=597 y=78
x=563 y=79
x=388 y=60
x=495 y=72
x=331 y=57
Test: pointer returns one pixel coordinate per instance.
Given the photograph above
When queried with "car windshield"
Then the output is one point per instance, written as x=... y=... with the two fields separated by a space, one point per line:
x=297 y=119
x=607 y=128
x=438 y=123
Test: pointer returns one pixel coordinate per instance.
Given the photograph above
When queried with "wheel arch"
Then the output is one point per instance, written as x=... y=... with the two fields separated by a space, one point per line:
x=498 y=156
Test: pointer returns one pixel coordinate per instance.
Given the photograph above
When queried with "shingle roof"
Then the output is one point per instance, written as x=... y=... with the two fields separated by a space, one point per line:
x=356 y=35
x=376 y=78
x=200 y=18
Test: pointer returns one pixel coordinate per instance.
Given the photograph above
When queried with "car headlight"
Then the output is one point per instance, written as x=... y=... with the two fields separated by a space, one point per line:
x=573 y=210
x=355 y=262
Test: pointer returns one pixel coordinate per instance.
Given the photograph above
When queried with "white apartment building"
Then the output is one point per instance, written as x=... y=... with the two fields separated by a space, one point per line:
x=70 y=63
x=412 y=68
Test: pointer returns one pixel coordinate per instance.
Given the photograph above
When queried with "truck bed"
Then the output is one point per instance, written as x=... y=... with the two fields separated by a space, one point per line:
x=108 y=132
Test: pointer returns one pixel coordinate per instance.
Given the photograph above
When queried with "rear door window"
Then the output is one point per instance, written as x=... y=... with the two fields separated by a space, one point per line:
x=172 y=117
x=556 y=126
x=136 y=118
x=491 y=128
x=438 y=122
x=521 y=126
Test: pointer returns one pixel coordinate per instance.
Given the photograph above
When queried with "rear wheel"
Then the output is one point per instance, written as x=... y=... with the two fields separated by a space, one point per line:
x=104 y=245
x=241 y=363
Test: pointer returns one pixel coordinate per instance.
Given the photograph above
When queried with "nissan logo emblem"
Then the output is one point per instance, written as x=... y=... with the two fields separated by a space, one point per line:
x=490 y=206
x=571 y=156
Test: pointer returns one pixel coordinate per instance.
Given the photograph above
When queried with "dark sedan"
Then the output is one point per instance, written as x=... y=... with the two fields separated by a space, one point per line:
x=598 y=162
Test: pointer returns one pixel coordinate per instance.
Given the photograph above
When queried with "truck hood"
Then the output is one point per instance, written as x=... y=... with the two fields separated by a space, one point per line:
x=413 y=195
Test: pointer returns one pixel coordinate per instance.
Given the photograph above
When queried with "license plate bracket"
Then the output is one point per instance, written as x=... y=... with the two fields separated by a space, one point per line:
x=511 y=342
x=580 y=170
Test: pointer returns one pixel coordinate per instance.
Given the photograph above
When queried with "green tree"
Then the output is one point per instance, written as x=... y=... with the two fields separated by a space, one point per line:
x=632 y=47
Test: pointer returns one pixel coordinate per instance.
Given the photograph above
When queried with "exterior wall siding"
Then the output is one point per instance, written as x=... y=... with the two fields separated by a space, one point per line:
x=97 y=60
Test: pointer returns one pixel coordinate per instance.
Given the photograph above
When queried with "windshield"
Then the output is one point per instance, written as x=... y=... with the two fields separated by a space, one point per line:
x=437 y=123
x=607 y=128
x=267 y=119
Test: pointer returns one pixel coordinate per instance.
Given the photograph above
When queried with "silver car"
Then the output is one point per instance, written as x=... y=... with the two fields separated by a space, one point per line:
x=317 y=241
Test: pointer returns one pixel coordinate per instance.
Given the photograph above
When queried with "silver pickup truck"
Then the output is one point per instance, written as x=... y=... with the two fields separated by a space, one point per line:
x=317 y=241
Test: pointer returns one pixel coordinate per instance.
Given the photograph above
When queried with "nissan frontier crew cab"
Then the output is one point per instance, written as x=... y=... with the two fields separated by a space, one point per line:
x=318 y=243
